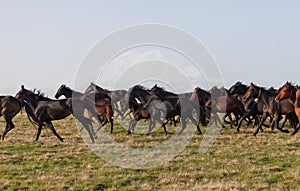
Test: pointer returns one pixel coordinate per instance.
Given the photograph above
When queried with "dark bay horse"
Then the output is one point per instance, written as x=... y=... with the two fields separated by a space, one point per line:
x=238 y=88
x=270 y=107
x=47 y=110
x=171 y=105
x=9 y=108
x=101 y=101
x=134 y=100
x=202 y=96
x=115 y=95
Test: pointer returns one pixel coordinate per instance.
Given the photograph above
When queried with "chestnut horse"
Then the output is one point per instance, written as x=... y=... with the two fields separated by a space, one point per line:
x=297 y=109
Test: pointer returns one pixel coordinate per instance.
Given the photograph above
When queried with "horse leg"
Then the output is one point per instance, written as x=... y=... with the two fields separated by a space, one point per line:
x=259 y=127
x=132 y=124
x=40 y=126
x=241 y=121
x=195 y=123
x=151 y=126
x=163 y=125
x=87 y=124
x=9 y=126
x=296 y=129
x=276 y=120
x=50 y=125
x=183 y=125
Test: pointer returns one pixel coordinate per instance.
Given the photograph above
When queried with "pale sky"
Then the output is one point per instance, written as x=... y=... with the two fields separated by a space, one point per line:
x=42 y=43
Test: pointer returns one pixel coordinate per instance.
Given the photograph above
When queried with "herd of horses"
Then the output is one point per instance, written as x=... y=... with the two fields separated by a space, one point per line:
x=240 y=103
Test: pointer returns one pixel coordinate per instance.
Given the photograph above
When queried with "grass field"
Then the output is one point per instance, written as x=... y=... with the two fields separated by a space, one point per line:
x=269 y=161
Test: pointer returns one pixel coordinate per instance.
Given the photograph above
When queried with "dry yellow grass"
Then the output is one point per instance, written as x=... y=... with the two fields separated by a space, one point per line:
x=269 y=161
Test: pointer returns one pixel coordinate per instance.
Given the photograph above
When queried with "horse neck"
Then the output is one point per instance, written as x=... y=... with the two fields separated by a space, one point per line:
x=265 y=97
x=34 y=99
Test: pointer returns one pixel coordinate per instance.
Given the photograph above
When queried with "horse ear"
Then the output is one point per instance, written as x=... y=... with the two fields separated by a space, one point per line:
x=251 y=84
x=63 y=85
x=22 y=87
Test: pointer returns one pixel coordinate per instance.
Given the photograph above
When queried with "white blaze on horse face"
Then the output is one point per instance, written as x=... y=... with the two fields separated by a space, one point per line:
x=137 y=100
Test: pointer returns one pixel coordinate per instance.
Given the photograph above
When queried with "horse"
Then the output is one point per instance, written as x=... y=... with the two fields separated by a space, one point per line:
x=270 y=107
x=115 y=95
x=218 y=92
x=227 y=105
x=297 y=109
x=238 y=88
x=288 y=91
x=47 y=110
x=9 y=108
x=135 y=98
x=202 y=97
x=171 y=105
x=101 y=101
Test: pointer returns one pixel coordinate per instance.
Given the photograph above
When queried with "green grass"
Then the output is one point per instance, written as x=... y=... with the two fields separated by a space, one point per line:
x=269 y=161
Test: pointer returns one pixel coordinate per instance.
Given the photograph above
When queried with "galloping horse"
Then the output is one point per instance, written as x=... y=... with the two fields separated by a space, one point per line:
x=47 y=110
x=288 y=92
x=202 y=97
x=115 y=95
x=102 y=103
x=270 y=107
x=297 y=109
x=9 y=108
x=171 y=105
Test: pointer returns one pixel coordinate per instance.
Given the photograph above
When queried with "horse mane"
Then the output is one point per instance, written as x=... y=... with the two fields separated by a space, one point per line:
x=203 y=91
x=162 y=93
x=38 y=93
x=265 y=90
x=139 y=87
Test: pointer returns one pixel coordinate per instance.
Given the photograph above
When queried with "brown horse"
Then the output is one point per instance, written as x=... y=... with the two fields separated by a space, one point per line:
x=270 y=107
x=101 y=101
x=226 y=104
x=9 y=108
x=297 y=109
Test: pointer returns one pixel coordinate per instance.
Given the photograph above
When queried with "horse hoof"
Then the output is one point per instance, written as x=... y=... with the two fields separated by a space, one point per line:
x=254 y=134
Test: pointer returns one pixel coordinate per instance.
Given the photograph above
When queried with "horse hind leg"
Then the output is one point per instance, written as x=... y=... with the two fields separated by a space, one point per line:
x=9 y=126
x=296 y=129
x=50 y=125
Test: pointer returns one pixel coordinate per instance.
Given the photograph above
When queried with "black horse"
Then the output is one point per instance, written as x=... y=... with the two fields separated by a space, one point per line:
x=47 y=110
x=171 y=105
x=9 y=108
x=101 y=101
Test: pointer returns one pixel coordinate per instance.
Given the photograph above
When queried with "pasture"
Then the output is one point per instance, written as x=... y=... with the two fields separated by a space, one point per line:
x=236 y=161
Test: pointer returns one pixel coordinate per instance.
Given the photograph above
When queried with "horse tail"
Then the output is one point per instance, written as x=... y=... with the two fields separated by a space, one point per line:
x=30 y=114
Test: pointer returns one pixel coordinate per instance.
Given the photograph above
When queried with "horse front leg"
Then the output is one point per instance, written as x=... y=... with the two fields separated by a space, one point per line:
x=151 y=126
x=132 y=125
x=276 y=120
x=259 y=127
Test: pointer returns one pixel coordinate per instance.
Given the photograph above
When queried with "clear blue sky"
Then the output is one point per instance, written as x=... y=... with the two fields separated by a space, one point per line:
x=42 y=43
